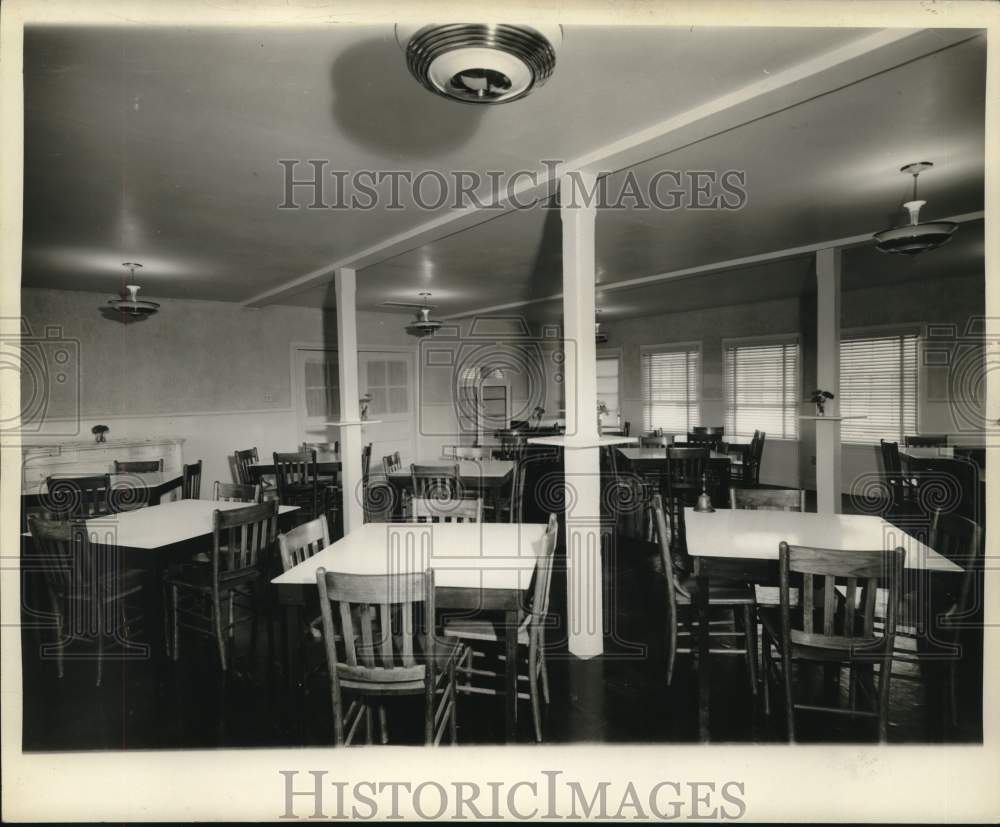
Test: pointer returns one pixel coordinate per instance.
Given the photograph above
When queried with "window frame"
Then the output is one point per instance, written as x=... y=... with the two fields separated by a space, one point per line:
x=886 y=332
x=614 y=353
x=763 y=341
x=673 y=347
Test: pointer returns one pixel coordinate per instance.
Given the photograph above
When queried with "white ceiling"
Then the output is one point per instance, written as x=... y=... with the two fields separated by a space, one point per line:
x=162 y=146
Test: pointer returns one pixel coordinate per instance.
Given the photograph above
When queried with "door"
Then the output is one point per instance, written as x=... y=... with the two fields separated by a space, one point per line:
x=387 y=376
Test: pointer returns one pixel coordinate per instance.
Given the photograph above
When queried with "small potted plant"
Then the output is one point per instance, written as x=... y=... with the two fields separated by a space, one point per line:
x=99 y=431
x=537 y=415
x=819 y=399
x=365 y=402
x=602 y=411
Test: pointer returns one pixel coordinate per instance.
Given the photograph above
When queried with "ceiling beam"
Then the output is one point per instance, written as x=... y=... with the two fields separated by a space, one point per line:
x=708 y=269
x=868 y=55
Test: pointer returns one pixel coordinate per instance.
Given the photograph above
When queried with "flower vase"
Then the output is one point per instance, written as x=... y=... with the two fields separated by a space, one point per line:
x=820 y=409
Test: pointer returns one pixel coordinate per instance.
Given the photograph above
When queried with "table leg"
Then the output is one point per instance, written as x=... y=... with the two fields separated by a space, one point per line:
x=510 y=695
x=704 y=656
x=293 y=645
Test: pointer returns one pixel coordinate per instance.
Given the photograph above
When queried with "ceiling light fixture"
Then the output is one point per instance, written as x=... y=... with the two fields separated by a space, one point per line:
x=480 y=63
x=914 y=238
x=129 y=305
x=423 y=324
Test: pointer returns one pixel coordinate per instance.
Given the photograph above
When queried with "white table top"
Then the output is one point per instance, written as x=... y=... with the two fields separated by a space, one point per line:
x=468 y=469
x=756 y=535
x=928 y=451
x=163 y=525
x=463 y=555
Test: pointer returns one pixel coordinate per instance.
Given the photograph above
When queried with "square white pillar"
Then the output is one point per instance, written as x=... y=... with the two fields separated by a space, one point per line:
x=829 y=475
x=585 y=599
x=350 y=425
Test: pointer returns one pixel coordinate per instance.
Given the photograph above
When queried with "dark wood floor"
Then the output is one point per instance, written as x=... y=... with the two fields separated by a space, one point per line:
x=620 y=697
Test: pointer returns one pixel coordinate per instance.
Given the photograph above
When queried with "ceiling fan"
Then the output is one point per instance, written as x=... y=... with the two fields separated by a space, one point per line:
x=423 y=325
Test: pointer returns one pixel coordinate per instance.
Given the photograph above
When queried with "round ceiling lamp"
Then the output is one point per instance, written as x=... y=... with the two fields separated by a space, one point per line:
x=423 y=324
x=480 y=63
x=129 y=305
x=915 y=238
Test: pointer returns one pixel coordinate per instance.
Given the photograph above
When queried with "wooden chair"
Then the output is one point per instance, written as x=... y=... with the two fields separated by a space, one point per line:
x=685 y=470
x=78 y=497
x=236 y=493
x=299 y=484
x=437 y=481
x=899 y=485
x=380 y=642
x=769 y=499
x=530 y=636
x=88 y=589
x=242 y=460
x=823 y=631
x=961 y=541
x=710 y=437
x=446 y=511
x=681 y=591
x=242 y=540
x=191 y=481
x=392 y=462
x=302 y=542
x=138 y=466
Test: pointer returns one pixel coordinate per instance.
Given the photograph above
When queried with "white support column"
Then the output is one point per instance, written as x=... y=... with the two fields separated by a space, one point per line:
x=585 y=603
x=829 y=475
x=350 y=429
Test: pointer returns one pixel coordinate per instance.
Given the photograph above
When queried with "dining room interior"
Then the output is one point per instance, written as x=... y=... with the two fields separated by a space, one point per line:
x=502 y=384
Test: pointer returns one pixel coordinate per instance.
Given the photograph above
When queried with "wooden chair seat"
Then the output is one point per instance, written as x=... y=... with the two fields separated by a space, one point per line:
x=198 y=577
x=719 y=593
x=404 y=680
x=483 y=630
x=110 y=586
x=850 y=651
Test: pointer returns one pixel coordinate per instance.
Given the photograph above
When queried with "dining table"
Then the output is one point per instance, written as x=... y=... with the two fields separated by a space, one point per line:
x=154 y=537
x=485 y=476
x=477 y=567
x=738 y=544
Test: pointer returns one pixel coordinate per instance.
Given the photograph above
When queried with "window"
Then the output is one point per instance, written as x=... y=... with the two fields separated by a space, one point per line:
x=670 y=393
x=878 y=380
x=388 y=385
x=607 y=390
x=762 y=389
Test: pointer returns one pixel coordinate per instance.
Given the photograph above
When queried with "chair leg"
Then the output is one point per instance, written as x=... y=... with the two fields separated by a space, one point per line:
x=232 y=624
x=220 y=638
x=536 y=710
x=545 y=678
x=766 y=665
x=59 y=633
x=176 y=642
x=383 y=725
x=953 y=692
x=453 y=723
x=749 y=633
x=786 y=670
x=368 y=724
x=884 y=681
x=100 y=641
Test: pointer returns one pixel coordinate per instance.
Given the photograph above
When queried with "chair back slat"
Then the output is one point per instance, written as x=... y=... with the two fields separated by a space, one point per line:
x=242 y=460
x=385 y=636
x=435 y=510
x=347 y=630
x=807 y=602
x=851 y=602
x=236 y=492
x=829 y=603
x=517 y=491
x=664 y=541
x=138 y=466
x=366 y=652
x=191 y=481
x=303 y=541
x=436 y=481
x=408 y=625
